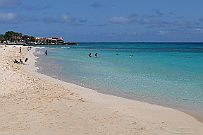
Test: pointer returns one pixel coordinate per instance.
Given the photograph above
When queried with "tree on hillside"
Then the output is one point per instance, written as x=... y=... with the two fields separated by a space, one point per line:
x=1 y=38
x=12 y=36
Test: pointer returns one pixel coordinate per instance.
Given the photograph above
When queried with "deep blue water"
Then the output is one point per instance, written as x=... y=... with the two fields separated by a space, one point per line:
x=169 y=74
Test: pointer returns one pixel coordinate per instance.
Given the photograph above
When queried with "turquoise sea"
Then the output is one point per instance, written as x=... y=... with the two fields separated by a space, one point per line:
x=168 y=74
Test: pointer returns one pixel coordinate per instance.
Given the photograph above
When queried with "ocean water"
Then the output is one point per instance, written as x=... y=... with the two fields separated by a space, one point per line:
x=169 y=74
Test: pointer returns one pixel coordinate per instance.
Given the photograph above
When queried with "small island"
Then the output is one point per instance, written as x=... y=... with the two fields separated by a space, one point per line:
x=16 y=38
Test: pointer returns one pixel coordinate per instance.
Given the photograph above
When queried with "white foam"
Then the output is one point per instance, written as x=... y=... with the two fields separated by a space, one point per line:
x=65 y=47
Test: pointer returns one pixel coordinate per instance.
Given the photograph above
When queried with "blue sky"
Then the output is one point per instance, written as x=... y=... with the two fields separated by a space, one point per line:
x=105 y=20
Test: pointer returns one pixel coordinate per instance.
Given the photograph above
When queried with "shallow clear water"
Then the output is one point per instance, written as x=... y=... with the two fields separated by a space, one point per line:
x=169 y=74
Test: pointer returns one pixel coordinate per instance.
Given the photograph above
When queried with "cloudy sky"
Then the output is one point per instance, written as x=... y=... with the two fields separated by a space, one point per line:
x=105 y=20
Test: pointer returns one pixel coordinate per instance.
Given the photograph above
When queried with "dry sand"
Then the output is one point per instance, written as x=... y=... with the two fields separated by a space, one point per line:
x=32 y=103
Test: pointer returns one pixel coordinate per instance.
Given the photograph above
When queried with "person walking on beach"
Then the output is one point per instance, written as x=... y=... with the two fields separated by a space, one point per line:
x=28 y=48
x=20 y=50
x=26 y=59
x=46 y=52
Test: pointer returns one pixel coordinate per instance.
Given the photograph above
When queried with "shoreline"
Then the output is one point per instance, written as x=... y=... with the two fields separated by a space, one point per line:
x=69 y=83
x=190 y=109
x=77 y=110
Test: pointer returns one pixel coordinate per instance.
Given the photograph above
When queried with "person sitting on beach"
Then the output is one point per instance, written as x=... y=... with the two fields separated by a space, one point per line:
x=26 y=59
x=90 y=54
x=29 y=48
x=21 y=62
x=15 y=61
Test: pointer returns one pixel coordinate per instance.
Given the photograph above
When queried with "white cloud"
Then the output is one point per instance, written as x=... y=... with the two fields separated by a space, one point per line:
x=7 y=17
x=198 y=30
x=66 y=18
x=123 y=19
x=163 y=32
x=69 y=19
x=9 y=3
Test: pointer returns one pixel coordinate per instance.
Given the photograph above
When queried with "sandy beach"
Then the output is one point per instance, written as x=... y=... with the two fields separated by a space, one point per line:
x=33 y=103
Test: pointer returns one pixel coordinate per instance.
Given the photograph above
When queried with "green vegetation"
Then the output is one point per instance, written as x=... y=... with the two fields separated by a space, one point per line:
x=1 y=38
x=11 y=36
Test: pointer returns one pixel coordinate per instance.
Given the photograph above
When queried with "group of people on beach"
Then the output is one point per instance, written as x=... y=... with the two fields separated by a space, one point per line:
x=29 y=48
x=26 y=59
x=20 y=61
x=95 y=55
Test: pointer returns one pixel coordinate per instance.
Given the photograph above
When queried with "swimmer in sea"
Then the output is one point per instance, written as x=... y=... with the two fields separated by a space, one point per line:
x=96 y=55
x=90 y=54
x=46 y=52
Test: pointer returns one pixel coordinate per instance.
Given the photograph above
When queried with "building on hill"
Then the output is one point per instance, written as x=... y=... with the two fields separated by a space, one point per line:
x=51 y=40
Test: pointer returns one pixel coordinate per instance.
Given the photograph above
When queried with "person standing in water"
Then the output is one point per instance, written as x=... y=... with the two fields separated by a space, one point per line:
x=90 y=54
x=46 y=52
x=96 y=55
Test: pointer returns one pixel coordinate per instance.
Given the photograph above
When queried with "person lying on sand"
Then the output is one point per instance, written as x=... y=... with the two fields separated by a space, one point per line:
x=20 y=62
x=15 y=61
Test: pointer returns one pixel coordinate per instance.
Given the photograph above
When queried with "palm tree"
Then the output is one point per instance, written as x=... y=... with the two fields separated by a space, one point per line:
x=2 y=38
